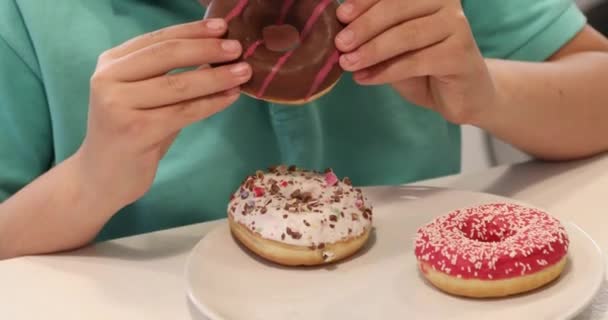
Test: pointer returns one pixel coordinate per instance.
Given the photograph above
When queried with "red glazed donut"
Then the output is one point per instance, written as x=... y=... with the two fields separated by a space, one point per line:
x=289 y=45
x=492 y=250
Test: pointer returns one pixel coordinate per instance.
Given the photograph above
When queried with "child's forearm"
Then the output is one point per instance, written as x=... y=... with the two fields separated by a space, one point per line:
x=56 y=212
x=556 y=110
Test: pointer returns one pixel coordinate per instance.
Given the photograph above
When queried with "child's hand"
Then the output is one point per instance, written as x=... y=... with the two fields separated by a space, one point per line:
x=424 y=48
x=137 y=109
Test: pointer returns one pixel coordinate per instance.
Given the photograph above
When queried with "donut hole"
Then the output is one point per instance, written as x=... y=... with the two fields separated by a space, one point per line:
x=281 y=38
x=479 y=229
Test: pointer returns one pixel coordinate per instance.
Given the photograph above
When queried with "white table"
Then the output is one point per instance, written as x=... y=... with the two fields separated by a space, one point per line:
x=141 y=277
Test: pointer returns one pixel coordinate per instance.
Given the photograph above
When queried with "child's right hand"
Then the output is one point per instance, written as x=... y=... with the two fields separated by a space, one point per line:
x=137 y=109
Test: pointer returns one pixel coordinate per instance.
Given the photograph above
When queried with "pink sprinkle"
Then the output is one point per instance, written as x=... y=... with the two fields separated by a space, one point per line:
x=284 y=184
x=259 y=191
x=359 y=203
x=331 y=179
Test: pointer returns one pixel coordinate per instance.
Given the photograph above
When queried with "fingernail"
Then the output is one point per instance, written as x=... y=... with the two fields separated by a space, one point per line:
x=216 y=24
x=346 y=9
x=240 y=69
x=346 y=37
x=231 y=46
x=352 y=58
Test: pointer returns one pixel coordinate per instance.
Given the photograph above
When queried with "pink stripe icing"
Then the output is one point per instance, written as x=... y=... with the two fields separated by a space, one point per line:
x=284 y=10
x=273 y=72
x=251 y=50
x=323 y=73
x=236 y=11
x=316 y=13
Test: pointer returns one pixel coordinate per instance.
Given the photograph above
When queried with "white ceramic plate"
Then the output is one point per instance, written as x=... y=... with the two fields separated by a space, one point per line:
x=226 y=282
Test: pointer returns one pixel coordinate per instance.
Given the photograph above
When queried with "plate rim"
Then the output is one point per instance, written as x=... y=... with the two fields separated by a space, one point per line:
x=602 y=275
x=204 y=309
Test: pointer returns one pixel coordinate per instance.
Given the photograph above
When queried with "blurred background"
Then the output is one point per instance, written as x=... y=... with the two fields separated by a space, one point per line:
x=481 y=150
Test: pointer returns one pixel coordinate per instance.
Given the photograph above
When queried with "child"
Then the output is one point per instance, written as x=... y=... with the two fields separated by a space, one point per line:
x=98 y=142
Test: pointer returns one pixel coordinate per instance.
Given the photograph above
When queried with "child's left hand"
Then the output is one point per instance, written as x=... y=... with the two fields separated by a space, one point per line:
x=424 y=48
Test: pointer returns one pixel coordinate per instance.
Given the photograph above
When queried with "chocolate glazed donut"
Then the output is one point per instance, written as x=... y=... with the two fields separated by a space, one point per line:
x=288 y=43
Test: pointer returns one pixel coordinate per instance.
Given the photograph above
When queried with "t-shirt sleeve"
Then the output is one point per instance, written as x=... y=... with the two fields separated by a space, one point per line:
x=25 y=130
x=523 y=29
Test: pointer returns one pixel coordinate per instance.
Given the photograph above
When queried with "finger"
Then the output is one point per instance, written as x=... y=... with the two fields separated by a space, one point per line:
x=409 y=36
x=209 y=28
x=416 y=90
x=379 y=18
x=166 y=56
x=165 y=145
x=177 y=116
x=432 y=61
x=349 y=10
x=174 y=88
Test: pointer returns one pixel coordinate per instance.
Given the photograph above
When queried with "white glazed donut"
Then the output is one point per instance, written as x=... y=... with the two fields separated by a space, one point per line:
x=299 y=218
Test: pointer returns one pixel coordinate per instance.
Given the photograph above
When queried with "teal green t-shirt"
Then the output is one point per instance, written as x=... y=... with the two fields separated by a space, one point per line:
x=48 y=51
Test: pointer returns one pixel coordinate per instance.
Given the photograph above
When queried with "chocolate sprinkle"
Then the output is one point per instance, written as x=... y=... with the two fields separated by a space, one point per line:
x=294 y=234
x=274 y=189
x=259 y=174
x=306 y=196
x=295 y=194
x=247 y=209
x=249 y=184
